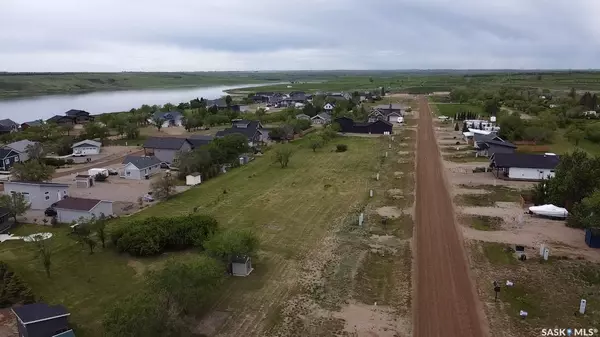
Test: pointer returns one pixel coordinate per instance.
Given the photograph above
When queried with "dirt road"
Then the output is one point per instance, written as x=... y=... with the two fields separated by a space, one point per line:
x=102 y=163
x=446 y=303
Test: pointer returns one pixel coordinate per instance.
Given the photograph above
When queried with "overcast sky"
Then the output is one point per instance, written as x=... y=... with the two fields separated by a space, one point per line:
x=173 y=35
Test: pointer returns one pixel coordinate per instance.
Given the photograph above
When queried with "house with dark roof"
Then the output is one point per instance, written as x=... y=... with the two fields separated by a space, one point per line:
x=221 y=105
x=321 y=119
x=9 y=157
x=166 y=148
x=169 y=118
x=140 y=167
x=199 y=140
x=60 y=120
x=393 y=113
x=29 y=124
x=42 y=320
x=5 y=222
x=524 y=166
x=295 y=98
x=488 y=145
x=21 y=148
x=79 y=116
x=73 y=209
x=253 y=130
x=40 y=195
x=347 y=125
x=8 y=126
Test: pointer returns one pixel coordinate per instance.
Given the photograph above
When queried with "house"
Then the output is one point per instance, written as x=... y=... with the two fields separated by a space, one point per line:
x=40 y=195
x=253 y=130
x=166 y=148
x=86 y=148
x=295 y=98
x=276 y=98
x=21 y=148
x=60 y=120
x=79 y=116
x=488 y=145
x=193 y=179
x=522 y=166
x=26 y=125
x=303 y=116
x=390 y=108
x=42 y=320
x=377 y=127
x=5 y=222
x=220 y=105
x=328 y=107
x=199 y=140
x=8 y=126
x=73 y=209
x=241 y=266
x=84 y=181
x=9 y=157
x=592 y=237
x=138 y=167
x=322 y=119
x=392 y=113
x=169 y=118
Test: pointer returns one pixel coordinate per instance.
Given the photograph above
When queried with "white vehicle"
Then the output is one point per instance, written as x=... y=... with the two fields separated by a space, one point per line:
x=94 y=171
x=550 y=211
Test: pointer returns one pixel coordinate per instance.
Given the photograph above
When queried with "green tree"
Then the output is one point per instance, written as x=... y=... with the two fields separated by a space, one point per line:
x=168 y=107
x=573 y=93
x=511 y=127
x=456 y=128
x=228 y=100
x=163 y=187
x=118 y=123
x=100 y=227
x=491 y=106
x=315 y=141
x=34 y=151
x=83 y=233
x=67 y=128
x=574 y=134
x=382 y=91
x=260 y=112
x=43 y=252
x=232 y=243
x=15 y=203
x=158 y=121
x=132 y=131
x=32 y=170
x=576 y=177
x=95 y=130
x=283 y=155
x=586 y=214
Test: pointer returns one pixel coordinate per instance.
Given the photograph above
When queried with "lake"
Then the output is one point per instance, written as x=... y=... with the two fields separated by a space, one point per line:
x=43 y=107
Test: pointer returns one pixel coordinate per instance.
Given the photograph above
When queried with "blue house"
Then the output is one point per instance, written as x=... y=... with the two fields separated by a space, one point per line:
x=9 y=157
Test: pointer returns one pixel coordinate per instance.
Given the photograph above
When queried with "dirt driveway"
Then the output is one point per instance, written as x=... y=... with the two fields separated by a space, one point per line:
x=446 y=303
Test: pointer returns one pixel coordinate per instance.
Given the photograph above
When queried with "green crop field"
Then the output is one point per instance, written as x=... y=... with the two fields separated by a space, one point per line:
x=451 y=109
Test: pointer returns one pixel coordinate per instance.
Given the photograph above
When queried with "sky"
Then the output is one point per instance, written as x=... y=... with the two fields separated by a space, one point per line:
x=211 y=35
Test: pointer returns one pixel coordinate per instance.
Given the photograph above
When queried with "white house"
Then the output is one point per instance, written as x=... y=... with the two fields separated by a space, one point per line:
x=193 y=179
x=73 y=209
x=86 y=148
x=138 y=167
x=524 y=166
x=328 y=107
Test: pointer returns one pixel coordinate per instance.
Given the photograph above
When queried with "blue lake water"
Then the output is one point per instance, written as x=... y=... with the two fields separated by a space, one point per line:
x=43 y=107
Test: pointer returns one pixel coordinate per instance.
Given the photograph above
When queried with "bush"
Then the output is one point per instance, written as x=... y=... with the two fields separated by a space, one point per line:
x=341 y=148
x=70 y=161
x=154 y=235
x=57 y=162
x=12 y=288
x=100 y=177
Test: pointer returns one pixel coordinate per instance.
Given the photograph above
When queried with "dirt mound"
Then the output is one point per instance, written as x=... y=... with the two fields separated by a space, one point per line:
x=389 y=212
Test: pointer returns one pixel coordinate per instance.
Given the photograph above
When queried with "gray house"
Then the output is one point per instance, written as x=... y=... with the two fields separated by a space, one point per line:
x=166 y=148
x=253 y=130
x=21 y=148
x=41 y=195
x=322 y=118
x=42 y=320
x=73 y=209
x=138 y=167
x=487 y=145
x=8 y=158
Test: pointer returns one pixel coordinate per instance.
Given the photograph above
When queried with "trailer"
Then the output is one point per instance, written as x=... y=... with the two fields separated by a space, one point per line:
x=94 y=171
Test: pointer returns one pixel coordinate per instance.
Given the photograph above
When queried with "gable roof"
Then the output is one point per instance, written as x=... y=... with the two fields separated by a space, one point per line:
x=75 y=113
x=21 y=145
x=499 y=143
x=525 y=160
x=390 y=106
x=39 y=312
x=4 y=211
x=77 y=204
x=323 y=115
x=7 y=152
x=141 y=162
x=168 y=115
x=9 y=123
x=57 y=118
x=165 y=143
x=39 y=183
x=87 y=141
x=248 y=132
x=200 y=140
x=34 y=123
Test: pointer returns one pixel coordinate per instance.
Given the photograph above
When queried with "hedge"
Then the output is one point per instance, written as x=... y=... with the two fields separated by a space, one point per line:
x=12 y=288
x=154 y=235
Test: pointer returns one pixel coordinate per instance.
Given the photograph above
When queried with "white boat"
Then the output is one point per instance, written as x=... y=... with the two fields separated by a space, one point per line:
x=549 y=211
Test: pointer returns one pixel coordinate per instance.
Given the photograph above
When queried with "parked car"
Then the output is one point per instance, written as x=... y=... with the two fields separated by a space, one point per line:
x=113 y=172
x=50 y=212
x=164 y=165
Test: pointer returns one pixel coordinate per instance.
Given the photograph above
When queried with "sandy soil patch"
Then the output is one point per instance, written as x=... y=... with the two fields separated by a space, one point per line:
x=404 y=153
x=389 y=212
x=137 y=266
x=373 y=320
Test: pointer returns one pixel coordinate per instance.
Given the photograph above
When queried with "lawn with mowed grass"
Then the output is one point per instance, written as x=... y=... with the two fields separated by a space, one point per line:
x=451 y=109
x=290 y=209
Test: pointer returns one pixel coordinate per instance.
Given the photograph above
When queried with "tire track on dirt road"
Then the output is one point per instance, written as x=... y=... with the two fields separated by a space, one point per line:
x=446 y=303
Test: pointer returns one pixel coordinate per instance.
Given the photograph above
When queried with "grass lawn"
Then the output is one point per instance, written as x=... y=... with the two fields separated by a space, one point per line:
x=497 y=193
x=450 y=109
x=466 y=158
x=561 y=145
x=483 y=222
x=290 y=209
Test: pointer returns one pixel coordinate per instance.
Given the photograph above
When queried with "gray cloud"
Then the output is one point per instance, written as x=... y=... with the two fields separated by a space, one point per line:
x=115 y=35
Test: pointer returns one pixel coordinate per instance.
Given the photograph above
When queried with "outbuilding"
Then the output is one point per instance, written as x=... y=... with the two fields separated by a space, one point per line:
x=592 y=237
x=523 y=166
x=86 y=148
x=84 y=181
x=241 y=266
x=42 y=320
x=193 y=179
x=73 y=209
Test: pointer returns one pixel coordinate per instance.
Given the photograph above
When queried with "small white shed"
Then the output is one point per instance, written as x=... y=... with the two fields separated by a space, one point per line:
x=193 y=179
x=241 y=266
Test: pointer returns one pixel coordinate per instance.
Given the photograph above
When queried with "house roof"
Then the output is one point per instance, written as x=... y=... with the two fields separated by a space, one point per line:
x=200 y=140
x=75 y=112
x=167 y=115
x=165 y=143
x=390 y=106
x=4 y=211
x=302 y=116
x=525 y=160
x=38 y=312
x=248 y=132
x=40 y=183
x=323 y=115
x=56 y=118
x=141 y=162
x=499 y=143
x=34 y=123
x=9 y=123
x=21 y=145
x=88 y=142
x=78 y=204
x=6 y=152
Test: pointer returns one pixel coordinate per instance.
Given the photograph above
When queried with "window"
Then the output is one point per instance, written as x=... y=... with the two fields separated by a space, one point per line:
x=6 y=161
x=128 y=173
x=16 y=158
x=47 y=198
x=46 y=193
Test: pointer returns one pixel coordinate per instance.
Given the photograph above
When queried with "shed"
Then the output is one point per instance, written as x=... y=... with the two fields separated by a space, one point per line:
x=73 y=209
x=86 y=147
x=42 y=320
x=84 y=181
x=241 y=266
x=193 y=179
x=592 y=237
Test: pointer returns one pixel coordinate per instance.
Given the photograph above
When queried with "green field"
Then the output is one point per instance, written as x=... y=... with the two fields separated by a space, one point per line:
x=290 y=209
x=451 y=109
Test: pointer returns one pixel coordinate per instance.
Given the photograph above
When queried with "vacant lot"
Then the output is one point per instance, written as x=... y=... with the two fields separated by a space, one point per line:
x=291 y=209
x=451 y=109
x=496 y=193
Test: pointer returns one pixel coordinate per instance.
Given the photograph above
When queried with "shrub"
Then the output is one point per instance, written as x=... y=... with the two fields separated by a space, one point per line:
x=100 y=177
x=341 y=148
x=154 y=235
x=70 y=161
x=12 y=288
x=57 y=162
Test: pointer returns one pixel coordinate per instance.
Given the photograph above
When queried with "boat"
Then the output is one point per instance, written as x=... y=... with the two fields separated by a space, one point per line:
x=549 y=211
